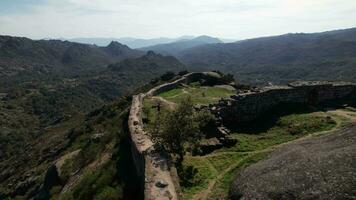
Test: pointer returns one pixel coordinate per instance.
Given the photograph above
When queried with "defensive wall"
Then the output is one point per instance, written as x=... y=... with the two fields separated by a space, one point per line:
x=158 y=177
x=249 y=105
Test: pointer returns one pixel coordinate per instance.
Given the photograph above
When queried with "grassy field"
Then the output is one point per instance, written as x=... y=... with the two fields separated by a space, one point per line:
x=199 y=94
x=216 y=171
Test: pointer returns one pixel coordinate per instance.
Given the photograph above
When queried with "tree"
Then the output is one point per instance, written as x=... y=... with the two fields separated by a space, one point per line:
x=228 y=77
x=182 y=73
x=168 y=76
x=180 y=129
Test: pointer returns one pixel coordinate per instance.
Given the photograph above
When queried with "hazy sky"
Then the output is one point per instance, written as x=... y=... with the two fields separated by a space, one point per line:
x=237 y=19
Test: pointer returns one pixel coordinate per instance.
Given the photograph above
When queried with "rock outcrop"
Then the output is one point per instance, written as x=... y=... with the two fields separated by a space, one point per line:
x=293 y=172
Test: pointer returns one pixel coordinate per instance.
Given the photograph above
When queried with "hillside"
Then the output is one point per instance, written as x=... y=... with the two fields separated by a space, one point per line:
x=174 y=48
x=24 y=57
x=63 y=160
x=320 y=56
x=54 y=80
x=56 y=120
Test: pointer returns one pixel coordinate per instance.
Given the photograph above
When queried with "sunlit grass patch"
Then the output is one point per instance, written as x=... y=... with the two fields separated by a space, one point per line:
x=222 y=161
x=222 y=186
x=206 y=172
x=200 y=95
x=287 y=128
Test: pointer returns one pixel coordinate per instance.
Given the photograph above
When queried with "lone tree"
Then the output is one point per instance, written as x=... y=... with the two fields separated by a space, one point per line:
x=180 y=129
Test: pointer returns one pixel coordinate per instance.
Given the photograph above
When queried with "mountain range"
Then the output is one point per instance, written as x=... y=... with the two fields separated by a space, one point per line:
x=279 y=59
x=22 y=55
x=134 y=43
x=179 y=46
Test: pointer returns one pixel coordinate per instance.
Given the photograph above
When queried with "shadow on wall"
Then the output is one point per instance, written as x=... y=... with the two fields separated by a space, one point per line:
x=133 y=188
x=269 y=119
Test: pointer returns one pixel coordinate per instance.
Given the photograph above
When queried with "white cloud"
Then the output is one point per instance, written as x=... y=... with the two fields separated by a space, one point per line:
x=153 y=18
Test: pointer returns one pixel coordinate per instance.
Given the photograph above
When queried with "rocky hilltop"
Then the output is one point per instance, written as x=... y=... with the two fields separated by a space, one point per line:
x=293 y=172
x=159 y=178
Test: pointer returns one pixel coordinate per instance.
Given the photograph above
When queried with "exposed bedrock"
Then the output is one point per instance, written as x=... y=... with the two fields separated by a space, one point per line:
x=293 y=172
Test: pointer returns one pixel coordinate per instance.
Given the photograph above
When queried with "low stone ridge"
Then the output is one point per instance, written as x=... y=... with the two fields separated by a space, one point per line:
x=292 y=172
x=249 y=105
x=159 y=178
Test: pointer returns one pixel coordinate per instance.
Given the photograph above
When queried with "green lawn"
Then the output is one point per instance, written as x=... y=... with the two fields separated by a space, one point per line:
x=287 y=128
x=222 y=186
x=200 y=95
x=150 y=111
x=206 y=172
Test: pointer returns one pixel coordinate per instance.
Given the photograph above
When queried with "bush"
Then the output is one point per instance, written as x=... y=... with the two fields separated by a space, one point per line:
x=181 y=129
x=228 y=78
x=168 y=76
x=182 y=73
x=188 y=176
x=109 y=193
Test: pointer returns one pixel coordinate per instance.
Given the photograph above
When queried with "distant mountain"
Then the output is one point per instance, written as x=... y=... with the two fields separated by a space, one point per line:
x=131 y=42
x=149 y=62
x=175 y=48
x=21 y=56
x=134 y=43
x=319 y=56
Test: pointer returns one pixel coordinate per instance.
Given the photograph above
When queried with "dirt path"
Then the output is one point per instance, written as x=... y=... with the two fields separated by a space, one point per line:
x=347 y=114
x=204 y=194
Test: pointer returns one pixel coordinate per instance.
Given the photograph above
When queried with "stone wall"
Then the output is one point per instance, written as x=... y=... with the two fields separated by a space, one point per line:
x=158 y=177
x=248 y=106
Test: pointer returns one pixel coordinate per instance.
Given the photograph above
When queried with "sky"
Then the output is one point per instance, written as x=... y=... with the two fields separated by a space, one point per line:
x=234 y=19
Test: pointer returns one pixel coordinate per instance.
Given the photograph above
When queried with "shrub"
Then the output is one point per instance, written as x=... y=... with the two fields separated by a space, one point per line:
x=188 y=176
x=182 y=73
x=181 y=129
x=168 y=76
x=109 y=193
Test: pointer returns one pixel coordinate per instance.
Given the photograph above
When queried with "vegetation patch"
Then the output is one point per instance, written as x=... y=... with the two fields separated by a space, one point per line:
x=201 y=95
x=216 y=171
x=222 y=186
x=287 y=128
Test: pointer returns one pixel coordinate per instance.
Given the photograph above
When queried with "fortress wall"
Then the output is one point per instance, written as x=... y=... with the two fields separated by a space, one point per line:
x=154 y=167
x=249 y=106
x=186 y=79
